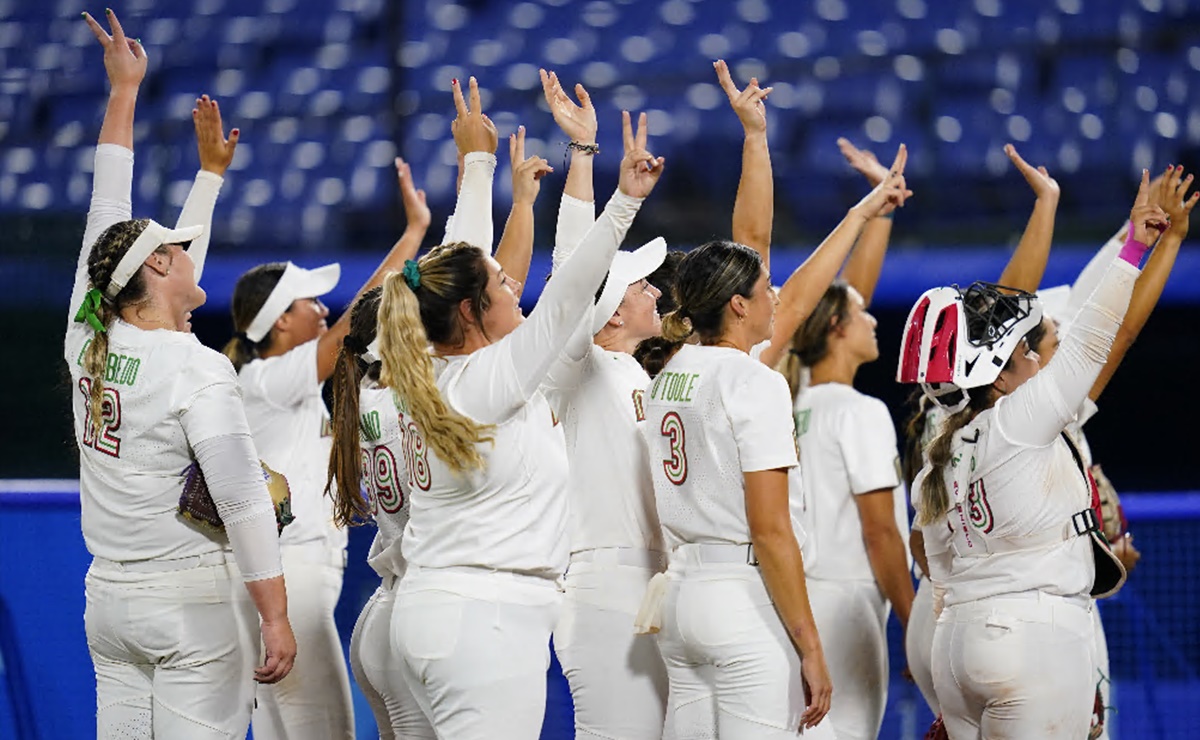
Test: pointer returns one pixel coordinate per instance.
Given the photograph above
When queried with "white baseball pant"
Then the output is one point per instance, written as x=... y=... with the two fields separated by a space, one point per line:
x=918 y=643
x=378 y=669
x=476 y=646
x=168 y=647
x=313 y=701
x=733 y=671
x=1017 y=666
x=618 y=679
x=851 y=619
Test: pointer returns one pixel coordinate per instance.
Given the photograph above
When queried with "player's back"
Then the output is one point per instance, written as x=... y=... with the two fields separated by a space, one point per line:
x=694 y=414
x=132 y=467
x=385 y=475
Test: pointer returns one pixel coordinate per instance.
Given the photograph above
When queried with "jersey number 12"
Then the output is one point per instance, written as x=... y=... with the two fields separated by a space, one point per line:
x=100 y=436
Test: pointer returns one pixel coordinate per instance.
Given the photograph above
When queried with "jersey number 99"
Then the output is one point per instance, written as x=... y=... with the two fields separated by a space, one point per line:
x=101 y=439
x=676 y=466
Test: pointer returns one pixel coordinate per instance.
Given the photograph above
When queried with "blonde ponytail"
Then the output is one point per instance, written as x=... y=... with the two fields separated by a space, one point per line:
x=407 y=368
x=95 y=364
x=934 y=499
x=676 y=327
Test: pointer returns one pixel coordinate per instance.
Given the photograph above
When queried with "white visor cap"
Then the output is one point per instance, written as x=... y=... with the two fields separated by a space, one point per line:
x=1056 y=303
x=295 y=283
x=627 y=268
x=152 y=237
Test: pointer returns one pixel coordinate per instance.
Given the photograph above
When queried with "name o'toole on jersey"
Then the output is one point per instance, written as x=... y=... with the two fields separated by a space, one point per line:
x=675 y=387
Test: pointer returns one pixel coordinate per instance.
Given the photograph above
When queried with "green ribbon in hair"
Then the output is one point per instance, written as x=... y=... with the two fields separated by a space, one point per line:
x=90 y=309
x=412 y=274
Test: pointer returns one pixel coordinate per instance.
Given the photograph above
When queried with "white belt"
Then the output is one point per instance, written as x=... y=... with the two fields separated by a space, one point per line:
x=220 y=557
x=632 y=556
x=714 y=553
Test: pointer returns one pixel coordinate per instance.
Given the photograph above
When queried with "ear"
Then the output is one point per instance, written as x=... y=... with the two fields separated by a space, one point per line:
x=158 y=263
x=615 y=321
x=738 y=304
x=283 y=323
x=466 y=313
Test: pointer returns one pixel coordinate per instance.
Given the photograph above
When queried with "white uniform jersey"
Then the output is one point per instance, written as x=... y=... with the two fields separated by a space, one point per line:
x=847 y=448
x=512 y=514
x=384 y=475
x=601 y=403
x=291 y=432
x=163 y=393
x=712 y=414
x=1014 y=483
x=1075 y=430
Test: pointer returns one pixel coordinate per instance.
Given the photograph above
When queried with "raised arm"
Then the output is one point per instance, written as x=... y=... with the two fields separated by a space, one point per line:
x=515 y=249
x=1025 y=268
x=417 y=213
x=1172 y=197
x=476 y=139
x=532 y=347
x=1039 y=409
x=112 y=185
x=865 y=264
x=577 y=209
x=807 y=284
x=216 y=153
x=754 y=208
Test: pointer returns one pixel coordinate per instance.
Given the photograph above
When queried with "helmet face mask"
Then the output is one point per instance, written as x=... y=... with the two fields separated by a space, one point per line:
x=956 y=339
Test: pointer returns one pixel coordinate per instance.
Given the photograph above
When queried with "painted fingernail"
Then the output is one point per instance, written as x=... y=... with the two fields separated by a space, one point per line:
x=454 y=81
x=108 y=11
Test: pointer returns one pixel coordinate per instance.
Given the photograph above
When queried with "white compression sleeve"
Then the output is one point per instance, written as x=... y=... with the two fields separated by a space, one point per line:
x=198 y=211
x=235 y=481
x=1040 y=409
x=471 y=221
x=112 y=194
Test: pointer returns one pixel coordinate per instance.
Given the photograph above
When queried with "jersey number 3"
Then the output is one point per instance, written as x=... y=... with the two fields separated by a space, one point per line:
x=676 y=466
x=100 y=437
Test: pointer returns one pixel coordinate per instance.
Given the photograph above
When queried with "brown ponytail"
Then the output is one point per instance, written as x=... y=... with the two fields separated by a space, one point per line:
x=345 y=463
x=252 y=290
x=810 y=343
x=448 y=276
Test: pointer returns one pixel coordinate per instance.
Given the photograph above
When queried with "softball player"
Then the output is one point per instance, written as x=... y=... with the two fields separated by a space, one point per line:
x=476 y=606
x=166 y=613
x=368 y=453
x=617 y=678
x=742 y=652
x=1013 y=648
x=855 y=561
x=1062 y=303
x=1023 y=272
x=283 y=352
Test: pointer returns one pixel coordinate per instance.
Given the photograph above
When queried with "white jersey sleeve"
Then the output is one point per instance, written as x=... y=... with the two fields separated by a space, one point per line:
x=1038 y=411
x=472 y=218
x=198 y=211
x=500 y=378
x=868 y=444
x=763 y=428
x=112 y=188
x=575 y=217
x=284 y=380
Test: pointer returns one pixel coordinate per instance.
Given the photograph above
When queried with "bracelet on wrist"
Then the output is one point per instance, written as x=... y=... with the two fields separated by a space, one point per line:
x=584 y=147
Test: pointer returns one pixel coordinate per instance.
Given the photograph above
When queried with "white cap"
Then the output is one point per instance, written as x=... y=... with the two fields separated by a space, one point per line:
x=152 y=237
x=627 y=268
x=295 y=283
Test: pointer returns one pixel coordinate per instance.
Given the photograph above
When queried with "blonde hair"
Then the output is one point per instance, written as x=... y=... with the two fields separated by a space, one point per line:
x=407 y=367
x=108 y=250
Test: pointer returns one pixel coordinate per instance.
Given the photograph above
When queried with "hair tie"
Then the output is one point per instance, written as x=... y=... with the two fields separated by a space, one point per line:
x=241 y=335
x=412 y=274
x=89 y=311
x=353 y=345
